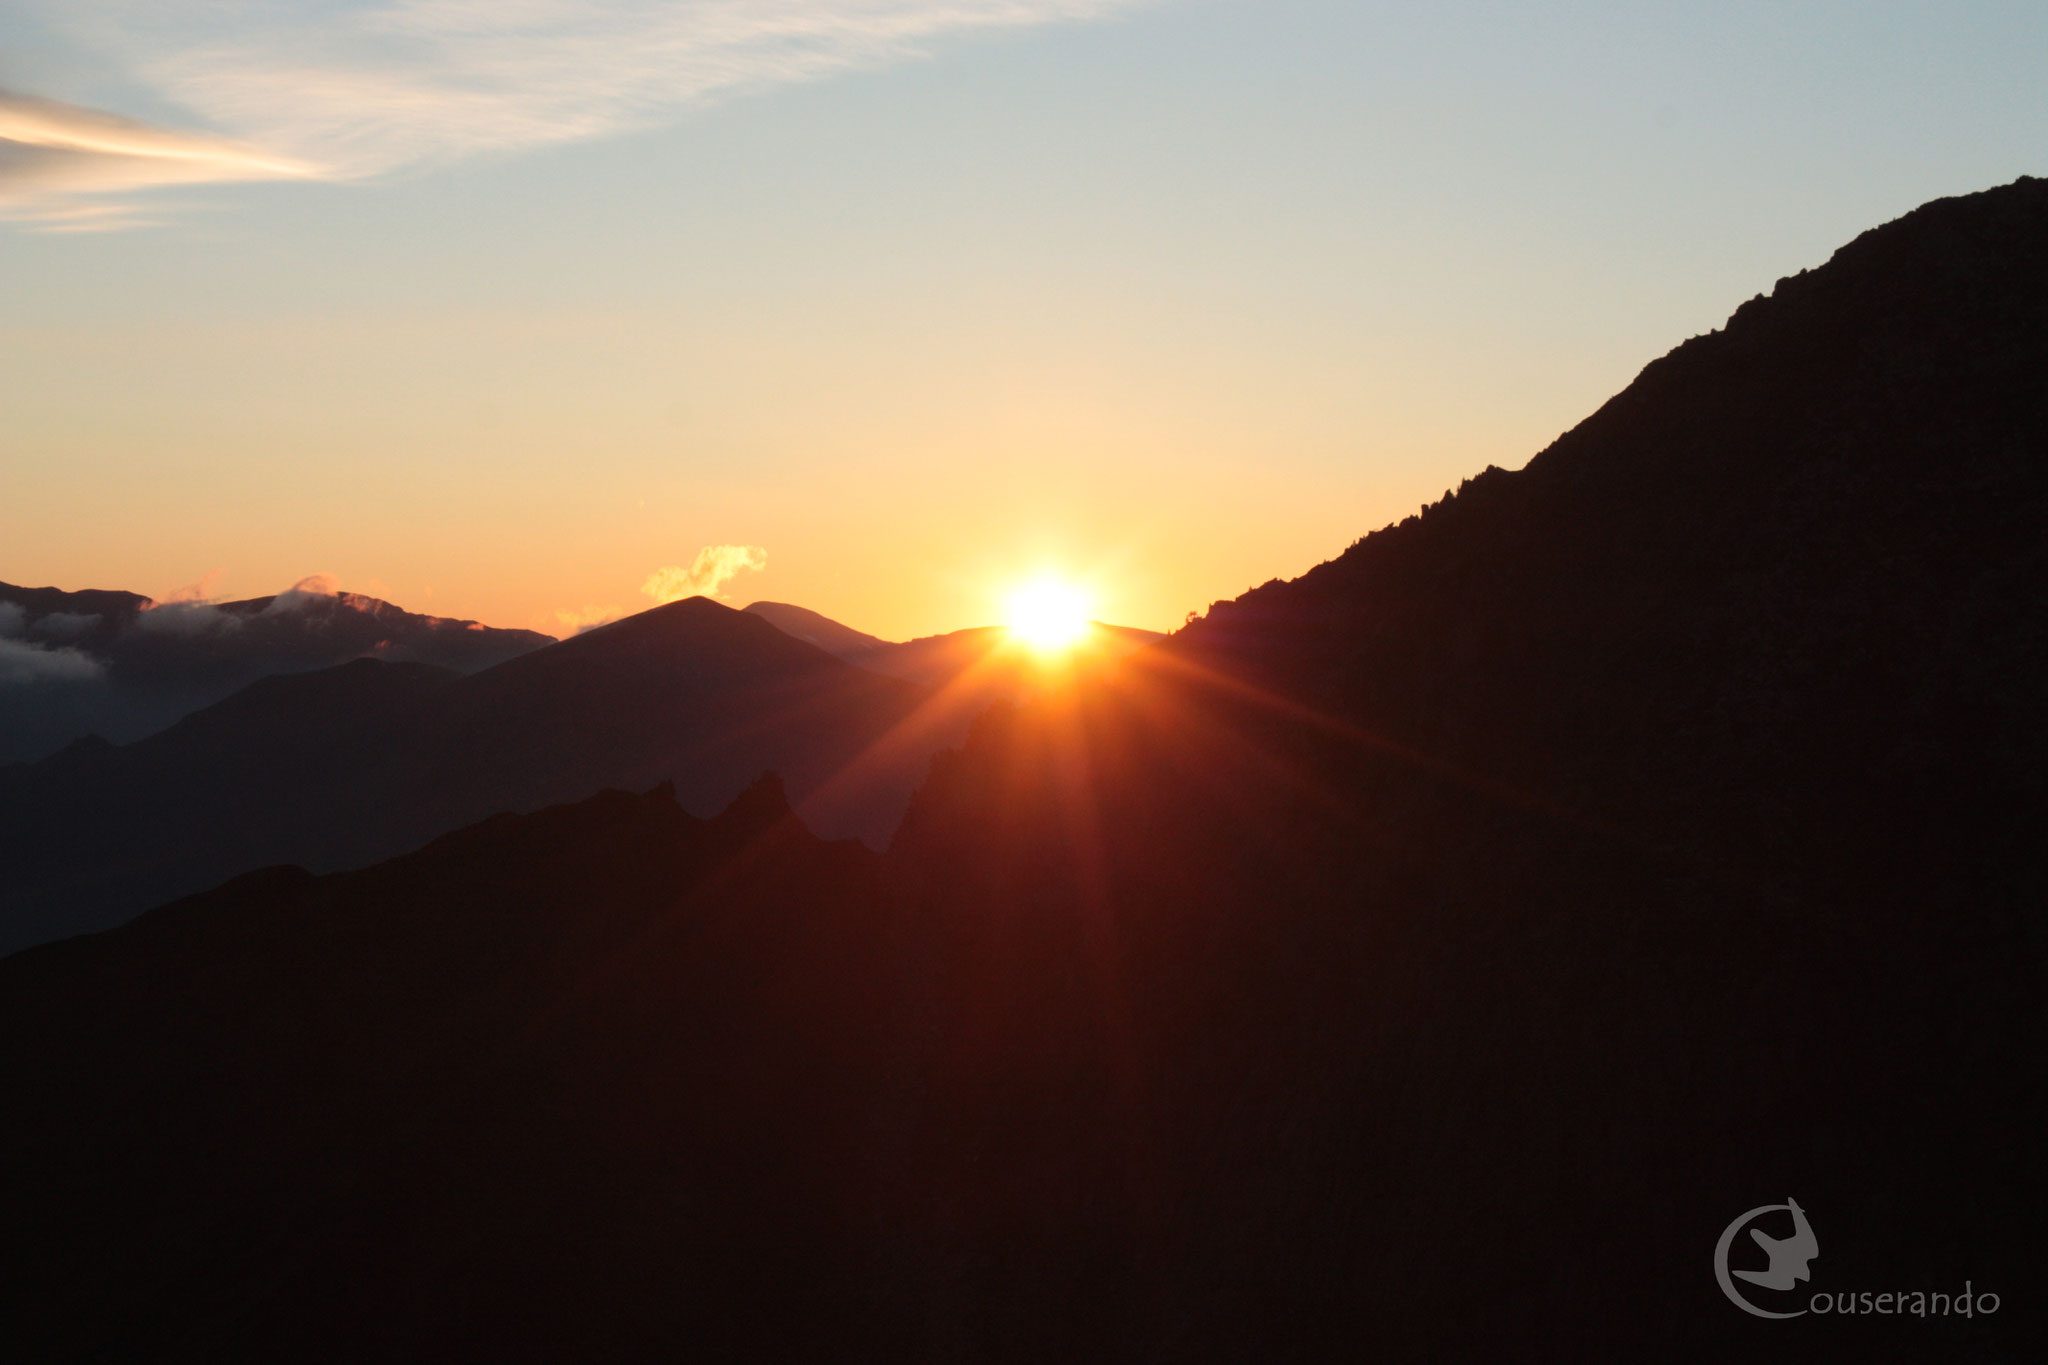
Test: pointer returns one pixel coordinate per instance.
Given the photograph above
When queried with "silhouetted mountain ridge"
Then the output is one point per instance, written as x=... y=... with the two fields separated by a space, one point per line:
x=1800 y=492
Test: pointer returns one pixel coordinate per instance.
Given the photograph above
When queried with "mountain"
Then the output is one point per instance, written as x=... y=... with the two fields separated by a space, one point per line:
x=341 y=767
x=817 y=629
x=117 y=665
x=1424 y=959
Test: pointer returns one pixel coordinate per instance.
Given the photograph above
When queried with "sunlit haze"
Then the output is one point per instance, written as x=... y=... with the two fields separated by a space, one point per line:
x=517 y=312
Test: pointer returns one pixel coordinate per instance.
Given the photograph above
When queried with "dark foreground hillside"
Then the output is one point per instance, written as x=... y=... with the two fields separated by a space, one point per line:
x=573 y=1085
x=1423 y=960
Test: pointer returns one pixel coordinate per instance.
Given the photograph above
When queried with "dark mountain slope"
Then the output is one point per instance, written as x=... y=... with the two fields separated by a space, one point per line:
x=339 y=768
x=1797 y=559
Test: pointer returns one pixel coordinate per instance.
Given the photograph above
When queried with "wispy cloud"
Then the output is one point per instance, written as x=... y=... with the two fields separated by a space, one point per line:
x=351 y=88
x=577 y=620
x=55 y=159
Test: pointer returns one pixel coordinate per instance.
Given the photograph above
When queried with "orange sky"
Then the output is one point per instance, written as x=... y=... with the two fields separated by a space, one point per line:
x=1166 y=296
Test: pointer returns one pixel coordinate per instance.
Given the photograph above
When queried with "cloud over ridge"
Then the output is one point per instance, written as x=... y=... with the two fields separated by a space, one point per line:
x=23 y=662
x=712 y=569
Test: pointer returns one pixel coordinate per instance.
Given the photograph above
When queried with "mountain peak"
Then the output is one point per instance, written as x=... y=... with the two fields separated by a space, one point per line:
x=690 y=624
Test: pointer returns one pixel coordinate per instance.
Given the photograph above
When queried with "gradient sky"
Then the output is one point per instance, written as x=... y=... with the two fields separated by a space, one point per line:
x=494 y=309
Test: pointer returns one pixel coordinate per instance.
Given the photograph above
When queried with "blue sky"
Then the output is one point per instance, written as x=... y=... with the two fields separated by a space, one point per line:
x=494 y=309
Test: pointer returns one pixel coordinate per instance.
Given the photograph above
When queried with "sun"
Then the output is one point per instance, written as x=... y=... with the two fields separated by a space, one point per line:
x=1047 y=615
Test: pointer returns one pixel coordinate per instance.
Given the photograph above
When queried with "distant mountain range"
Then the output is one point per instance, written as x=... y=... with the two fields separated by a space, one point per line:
x=1423 y=959
x=119 y=666
x=336 y=767
x=345 y=765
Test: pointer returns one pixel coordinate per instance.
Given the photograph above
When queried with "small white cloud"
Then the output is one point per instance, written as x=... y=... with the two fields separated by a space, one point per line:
x=714 y=566
x=11 y=618
x=22 y=663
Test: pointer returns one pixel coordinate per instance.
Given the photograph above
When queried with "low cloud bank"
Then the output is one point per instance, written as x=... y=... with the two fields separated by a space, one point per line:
x=25 y=663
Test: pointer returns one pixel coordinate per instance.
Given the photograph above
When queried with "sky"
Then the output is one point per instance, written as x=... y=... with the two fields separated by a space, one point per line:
x=531 y=310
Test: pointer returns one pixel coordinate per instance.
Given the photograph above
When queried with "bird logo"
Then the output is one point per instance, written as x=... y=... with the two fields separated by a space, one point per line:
x=1789 y=1257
